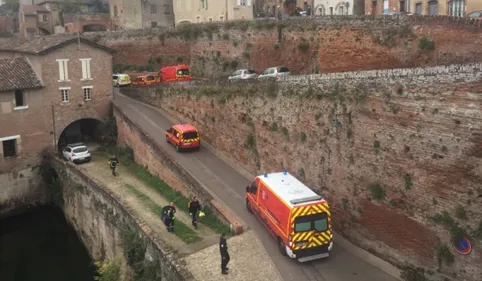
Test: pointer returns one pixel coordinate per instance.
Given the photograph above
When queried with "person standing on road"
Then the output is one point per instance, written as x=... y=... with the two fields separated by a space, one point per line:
x=113 y=162
x=194 y=207
x=168 y=216
x=223 y=248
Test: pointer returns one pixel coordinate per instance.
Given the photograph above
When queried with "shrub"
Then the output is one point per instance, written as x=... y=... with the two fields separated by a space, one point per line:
x=378 y=193
x=303 y=46
x=426 y=44
x=444 y=255
x=109 y=271
x=250 y=142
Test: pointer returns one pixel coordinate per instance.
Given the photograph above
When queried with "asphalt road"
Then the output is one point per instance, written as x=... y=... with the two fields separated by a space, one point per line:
x=229 y=186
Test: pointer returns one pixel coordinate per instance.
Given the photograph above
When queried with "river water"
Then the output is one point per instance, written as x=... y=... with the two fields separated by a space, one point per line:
x=41 y=246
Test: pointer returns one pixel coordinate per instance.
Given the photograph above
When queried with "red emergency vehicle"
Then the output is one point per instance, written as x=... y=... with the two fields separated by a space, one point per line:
x=183 y=136
x=179 y=72
x=145 y=79
x=296 y=216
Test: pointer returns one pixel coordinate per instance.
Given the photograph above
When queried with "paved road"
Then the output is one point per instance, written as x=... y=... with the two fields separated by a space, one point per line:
x=229 y=185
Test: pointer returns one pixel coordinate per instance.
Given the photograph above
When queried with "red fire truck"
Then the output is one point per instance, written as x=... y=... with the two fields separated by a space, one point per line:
x=296 y=216
x=179 y=72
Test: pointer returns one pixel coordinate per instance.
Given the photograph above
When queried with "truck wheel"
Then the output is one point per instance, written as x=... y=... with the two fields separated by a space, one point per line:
x=248 y=206
x=282 y=247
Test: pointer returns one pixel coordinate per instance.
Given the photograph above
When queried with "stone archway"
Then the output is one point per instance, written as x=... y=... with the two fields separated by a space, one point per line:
x=86 y=130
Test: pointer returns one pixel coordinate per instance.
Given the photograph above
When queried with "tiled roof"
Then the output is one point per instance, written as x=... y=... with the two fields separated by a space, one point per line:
x=17 y=74
x=44 y=44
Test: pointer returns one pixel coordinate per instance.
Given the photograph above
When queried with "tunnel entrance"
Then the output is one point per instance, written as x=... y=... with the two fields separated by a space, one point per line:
x=86 y=130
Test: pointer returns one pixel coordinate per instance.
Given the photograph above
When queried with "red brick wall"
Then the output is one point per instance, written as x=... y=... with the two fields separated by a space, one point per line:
x=413 y=133
x=334 y=44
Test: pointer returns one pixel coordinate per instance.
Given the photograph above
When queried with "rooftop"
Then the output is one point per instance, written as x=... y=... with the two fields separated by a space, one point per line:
x=185 y=127
x=18 y=74
x=44 y=44
x=32 y=9
x=289 y=188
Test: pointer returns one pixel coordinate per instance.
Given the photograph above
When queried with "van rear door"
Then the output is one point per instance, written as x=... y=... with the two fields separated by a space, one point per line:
x=311 y=227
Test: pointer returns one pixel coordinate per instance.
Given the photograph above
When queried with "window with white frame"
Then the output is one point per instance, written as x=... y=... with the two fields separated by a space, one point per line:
x=457 y=8
x=87 y=93
x=63 y=69
x=86 y=69
x=64 y=94
x=10 y=146
x=203 y=4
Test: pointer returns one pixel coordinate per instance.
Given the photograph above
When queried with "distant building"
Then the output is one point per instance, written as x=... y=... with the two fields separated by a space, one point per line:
x=128 y=14
x=198 y=11
x=456 y=8
x=46 y=17
x=335 y=7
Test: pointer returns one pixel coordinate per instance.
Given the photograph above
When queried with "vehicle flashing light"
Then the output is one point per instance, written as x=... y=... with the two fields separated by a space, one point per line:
x=265 y=175
x=285 y=172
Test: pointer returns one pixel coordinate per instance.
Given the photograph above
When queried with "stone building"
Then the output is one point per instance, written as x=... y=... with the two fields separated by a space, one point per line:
x=46 y=84
x=337 y=7
x=127 y=14
x=456 y=8
x=197 y=11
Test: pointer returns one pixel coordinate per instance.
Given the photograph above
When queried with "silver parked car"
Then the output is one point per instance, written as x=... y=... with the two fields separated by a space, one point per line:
x=274 y=72
x=243 y=74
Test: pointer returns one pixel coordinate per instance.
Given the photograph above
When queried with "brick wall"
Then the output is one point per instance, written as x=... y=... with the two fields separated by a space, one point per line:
x=327 y=44
x=389 y=149
x=35 y=124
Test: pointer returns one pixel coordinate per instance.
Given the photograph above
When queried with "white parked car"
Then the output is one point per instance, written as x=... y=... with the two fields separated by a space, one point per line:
x=76 y=152
x=274 y=72
x=243 y=74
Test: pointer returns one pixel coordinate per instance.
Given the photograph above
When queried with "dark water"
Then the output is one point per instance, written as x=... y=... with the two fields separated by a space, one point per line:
x=39 y=246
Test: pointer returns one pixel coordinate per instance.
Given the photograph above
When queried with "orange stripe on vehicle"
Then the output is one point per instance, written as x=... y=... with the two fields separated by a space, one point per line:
x=317 y=241
x=326 y=236
x=295 y=237
x=305 y=211
x=316 y=208
x=296 y=213
x=301 y=237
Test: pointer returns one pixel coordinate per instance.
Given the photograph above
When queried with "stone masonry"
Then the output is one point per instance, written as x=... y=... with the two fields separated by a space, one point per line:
x=395 y=152
x=326 y=44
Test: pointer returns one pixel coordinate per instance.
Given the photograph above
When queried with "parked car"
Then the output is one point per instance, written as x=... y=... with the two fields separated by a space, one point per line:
x=475 y=15
x=76 y=152
x=274 y=72
x=243 y=74
x=120 y=79
x=145 y=79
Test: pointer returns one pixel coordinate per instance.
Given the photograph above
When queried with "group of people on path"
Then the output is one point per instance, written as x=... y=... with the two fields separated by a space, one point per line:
x=194 y=207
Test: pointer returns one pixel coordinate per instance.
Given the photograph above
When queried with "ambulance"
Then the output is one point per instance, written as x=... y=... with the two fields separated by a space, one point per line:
x=298 y=218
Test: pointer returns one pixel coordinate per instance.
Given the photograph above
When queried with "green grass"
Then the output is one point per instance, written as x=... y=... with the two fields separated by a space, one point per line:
x=182 y=231
x=161 y=187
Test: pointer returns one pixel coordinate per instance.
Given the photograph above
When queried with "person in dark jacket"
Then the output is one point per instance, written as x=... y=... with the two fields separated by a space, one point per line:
x=168 y=216
x=194 y=207
x=113 y=162
x=223 y=248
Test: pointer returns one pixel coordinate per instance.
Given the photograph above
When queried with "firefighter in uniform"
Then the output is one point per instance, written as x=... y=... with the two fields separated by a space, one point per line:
x=194 y=207
x=113 y=162
x=223 y=248
x=168 y=216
